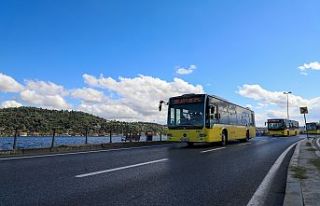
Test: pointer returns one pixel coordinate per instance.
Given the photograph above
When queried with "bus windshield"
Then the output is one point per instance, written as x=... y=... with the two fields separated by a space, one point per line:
x=311 y=126
x=186 y=115
x=275 y=126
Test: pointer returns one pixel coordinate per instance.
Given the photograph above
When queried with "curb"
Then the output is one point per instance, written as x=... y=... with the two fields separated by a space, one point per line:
x=293 y=196
x=261 y=193
x=318 y=146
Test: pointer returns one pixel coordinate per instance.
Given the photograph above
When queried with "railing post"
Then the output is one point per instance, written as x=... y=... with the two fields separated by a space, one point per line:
x=15 y=139
x=110 y=136
x=53 y=138
x=86 y=141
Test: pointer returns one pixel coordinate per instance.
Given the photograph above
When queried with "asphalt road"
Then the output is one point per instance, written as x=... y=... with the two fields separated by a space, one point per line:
x=158 y=175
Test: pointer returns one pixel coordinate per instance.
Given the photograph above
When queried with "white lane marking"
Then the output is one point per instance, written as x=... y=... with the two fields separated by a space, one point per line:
x=261 y=193
x=318 y=143
x=120 y=168
x=210 y=150
x=73 y=153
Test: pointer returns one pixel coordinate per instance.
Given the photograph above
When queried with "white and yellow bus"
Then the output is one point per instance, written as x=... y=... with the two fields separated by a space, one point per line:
x=283 y=127
x=198 y=118
x=313 y=128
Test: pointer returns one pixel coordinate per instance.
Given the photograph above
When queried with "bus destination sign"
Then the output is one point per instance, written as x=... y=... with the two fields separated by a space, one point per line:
x=190 y=100
x=274 y=120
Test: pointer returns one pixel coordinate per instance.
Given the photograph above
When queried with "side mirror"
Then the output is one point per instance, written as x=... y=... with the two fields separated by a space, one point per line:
x=217 y=116
x=160 y=105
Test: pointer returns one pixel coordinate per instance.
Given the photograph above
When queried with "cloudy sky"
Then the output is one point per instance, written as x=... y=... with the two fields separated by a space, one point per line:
x=117 y=59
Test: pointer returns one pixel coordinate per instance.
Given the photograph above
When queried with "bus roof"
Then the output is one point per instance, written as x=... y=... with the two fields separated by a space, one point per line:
x=279 y=119
x=213 y=96
x=313 y=122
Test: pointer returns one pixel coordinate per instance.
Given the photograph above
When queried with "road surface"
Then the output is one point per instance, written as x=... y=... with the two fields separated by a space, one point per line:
x=157 y=175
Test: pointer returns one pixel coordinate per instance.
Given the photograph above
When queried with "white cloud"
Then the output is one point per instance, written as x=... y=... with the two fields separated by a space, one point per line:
x=272 y=104
x=44 y=94
x=265 y=97
x=88 y=95
x=185 y=70
x=110 y=110
x=46 y=101
x=10 y=103
x=45 y=88
x=138 y=97
x=130 y=99
x=311 y=66
x=8 y=84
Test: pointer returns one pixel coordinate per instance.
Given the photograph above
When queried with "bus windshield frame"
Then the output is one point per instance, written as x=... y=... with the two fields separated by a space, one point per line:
x=311 y=126
x=276 y=125
x=186 y=113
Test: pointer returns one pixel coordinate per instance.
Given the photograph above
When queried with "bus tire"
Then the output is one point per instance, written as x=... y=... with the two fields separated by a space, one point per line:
x=190 y=144
x=224 y=138
x=247 y=136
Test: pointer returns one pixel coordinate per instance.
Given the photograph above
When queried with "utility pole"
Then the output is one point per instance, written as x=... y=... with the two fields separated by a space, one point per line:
x=287 y=93
x=305 y=123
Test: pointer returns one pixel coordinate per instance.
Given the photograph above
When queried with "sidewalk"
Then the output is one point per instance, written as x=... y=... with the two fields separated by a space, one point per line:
x=303 y=180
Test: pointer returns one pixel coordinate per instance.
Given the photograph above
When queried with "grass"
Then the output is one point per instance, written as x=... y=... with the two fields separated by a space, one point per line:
x=299 y=172
x=316 y=163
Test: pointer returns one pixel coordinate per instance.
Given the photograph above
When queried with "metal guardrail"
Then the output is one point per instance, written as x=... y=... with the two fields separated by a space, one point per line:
x=31 y=142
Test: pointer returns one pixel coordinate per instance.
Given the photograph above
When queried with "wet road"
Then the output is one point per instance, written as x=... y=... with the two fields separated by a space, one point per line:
x=157 y=175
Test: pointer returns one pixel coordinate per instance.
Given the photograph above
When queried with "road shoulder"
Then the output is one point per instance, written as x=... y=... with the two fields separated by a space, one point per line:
x=303 y=178
x=77 y=148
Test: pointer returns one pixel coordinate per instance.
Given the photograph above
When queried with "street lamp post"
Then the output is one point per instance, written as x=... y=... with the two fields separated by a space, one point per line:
x=287 y=93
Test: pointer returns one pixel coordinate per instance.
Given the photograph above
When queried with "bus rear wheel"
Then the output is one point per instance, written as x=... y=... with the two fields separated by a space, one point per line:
x=224 y=138
x=247 y=136
x=190 y=144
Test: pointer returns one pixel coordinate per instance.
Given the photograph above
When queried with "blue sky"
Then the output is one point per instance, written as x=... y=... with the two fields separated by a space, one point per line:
x=231 y=44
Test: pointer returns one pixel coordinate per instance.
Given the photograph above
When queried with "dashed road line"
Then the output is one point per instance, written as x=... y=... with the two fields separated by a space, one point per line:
x=210 y=150
x=120 y=168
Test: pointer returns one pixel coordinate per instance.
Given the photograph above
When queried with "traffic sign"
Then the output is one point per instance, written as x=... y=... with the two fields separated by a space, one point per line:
x=303 y=110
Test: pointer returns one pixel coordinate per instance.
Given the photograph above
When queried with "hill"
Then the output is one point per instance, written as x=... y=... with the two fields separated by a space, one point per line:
x=38 y=121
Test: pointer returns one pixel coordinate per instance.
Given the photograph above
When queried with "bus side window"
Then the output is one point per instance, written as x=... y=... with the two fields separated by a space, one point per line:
x=178 y=117
x=214 y=115
x=172 y=119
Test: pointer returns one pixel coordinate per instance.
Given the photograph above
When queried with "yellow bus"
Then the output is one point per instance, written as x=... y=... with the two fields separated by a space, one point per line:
x=202 y=118
x=313 y=128
x=282 y=127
